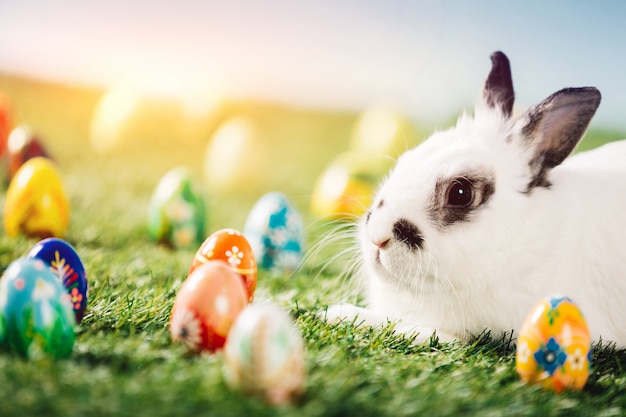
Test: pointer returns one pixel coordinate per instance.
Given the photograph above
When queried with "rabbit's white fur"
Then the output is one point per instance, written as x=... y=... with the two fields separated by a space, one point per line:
x=565 y=234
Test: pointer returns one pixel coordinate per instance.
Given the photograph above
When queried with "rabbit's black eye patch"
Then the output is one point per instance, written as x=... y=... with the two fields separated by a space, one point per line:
x=457 y=199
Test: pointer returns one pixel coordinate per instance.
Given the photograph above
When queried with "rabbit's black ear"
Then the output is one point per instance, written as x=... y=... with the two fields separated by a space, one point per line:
x=498 y=92
x=553 y=128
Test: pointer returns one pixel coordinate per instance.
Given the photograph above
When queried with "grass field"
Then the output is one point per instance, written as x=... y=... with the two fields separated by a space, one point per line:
x=124 y=363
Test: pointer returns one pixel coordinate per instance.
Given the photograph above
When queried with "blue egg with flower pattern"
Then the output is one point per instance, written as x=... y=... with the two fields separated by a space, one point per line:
x=64 y=262
x=37 y=316
x=275 y=231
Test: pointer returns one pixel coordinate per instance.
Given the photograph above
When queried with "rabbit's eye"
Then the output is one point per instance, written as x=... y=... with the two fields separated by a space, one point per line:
x=460 y=193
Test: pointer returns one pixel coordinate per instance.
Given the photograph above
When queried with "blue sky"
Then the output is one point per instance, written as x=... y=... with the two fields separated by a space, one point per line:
x=428 y=58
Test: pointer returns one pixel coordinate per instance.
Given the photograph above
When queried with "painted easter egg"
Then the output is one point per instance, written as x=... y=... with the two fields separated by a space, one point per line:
x=37 y=311
x=177 y=212
x=346 y=188
x=6 y=121
x=36 y=204
x=264 y=355
x=66 y=265
x=231 y=246
x=275 y=231
x=554 y=346
x=23 y=144
x=206 y=306
x=236 y=157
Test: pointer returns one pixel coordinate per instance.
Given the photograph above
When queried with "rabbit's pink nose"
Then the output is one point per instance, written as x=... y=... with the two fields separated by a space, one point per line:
x=381 y=244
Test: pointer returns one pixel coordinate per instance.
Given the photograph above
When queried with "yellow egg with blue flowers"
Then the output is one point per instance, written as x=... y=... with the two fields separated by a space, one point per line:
x=554 y=346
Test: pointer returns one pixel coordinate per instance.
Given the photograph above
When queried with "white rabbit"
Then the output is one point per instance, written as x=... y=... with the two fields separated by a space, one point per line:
x=479 y=222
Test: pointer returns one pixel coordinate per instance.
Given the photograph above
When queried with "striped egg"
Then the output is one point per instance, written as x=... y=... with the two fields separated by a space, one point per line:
x=264 y=355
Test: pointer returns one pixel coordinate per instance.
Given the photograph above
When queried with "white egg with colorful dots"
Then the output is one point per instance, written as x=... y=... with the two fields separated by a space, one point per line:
x=275 y=231
x=264 y=355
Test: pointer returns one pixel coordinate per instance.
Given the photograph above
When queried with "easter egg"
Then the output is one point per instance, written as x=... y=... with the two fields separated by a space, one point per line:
x=235 y=157
x=67 y=267
x=22 y=145
x=554 y=346
x=346 y=188
x=264 y=355
x=381 y=130
x=177 y=213
x=275 y=231
x=36 y=204
x=206 y=306
x=6 y=121
x=113 y=119
x=231 y=246
x=38 y=315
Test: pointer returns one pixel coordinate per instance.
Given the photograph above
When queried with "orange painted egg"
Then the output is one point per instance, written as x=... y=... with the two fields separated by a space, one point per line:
x=36 y=204
x=206 y=306
x=554 y=346
x=231 y=246
x=264 y=355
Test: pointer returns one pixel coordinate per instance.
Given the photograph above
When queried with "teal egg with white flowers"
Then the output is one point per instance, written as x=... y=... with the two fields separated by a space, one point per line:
x=275 y=231
x=37 y=318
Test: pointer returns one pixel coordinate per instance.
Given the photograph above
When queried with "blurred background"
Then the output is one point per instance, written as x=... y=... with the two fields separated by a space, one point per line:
x=261 y=96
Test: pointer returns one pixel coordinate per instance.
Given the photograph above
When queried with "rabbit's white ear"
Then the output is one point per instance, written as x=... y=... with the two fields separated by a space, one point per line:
x=498 y=92
x=553 y=128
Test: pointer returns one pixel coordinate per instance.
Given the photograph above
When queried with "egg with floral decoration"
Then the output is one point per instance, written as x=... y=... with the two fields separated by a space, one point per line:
x=36 y=203
x=554 y=346
x=37 y=311
x=275 y=231
x=264 y=355
x=64 y=262
x=231 y=246
x=23 y=144
x=177 y=211
x=206 y=306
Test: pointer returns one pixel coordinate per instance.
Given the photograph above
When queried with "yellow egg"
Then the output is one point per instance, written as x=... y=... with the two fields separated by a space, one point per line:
x=346 y=188
x=36 y=203
x=554 y=346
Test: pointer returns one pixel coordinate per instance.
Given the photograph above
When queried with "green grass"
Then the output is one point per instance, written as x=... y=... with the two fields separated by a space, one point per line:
x=124 y=363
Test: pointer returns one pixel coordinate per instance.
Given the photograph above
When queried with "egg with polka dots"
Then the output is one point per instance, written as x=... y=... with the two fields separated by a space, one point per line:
x=206 y=306
x=230 y=246
x=554 y=346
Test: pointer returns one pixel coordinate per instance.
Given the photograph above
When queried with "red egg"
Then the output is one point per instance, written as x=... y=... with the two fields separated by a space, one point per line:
x=230 y=246
x=206 y=306
x=6 y=121
x=23 y=144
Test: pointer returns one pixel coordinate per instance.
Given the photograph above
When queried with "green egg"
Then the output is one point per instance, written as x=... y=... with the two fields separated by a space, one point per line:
x=36 y=315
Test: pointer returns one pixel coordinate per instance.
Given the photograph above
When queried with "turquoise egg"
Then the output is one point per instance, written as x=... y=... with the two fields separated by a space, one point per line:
x=37 y=315
x=67 y=266
x=177 y=211
x=275 y=231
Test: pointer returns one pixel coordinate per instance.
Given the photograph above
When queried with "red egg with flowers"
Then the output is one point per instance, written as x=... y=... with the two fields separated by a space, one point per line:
x=206 y=306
